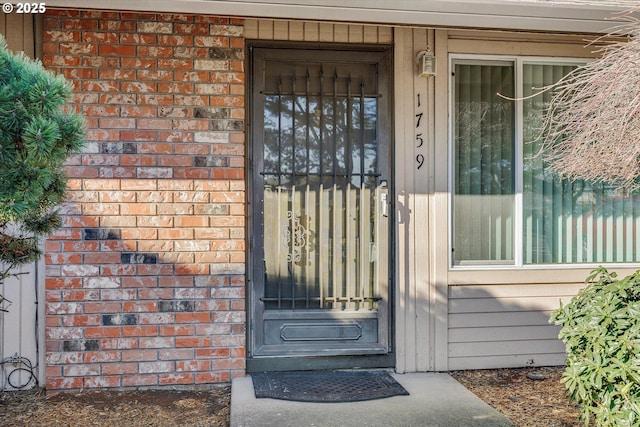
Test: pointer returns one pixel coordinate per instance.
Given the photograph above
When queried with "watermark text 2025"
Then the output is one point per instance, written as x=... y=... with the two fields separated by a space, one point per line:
x=24 y=8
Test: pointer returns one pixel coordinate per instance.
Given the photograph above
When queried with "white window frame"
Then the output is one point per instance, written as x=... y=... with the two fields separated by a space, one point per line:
x=518 y=262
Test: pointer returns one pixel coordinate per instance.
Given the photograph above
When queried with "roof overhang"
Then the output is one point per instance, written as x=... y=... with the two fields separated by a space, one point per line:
x=538 y=15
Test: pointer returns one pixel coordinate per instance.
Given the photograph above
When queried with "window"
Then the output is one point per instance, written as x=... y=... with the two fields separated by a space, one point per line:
x=507 y=208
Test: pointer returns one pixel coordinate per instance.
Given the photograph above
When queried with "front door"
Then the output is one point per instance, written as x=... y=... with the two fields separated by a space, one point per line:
x=320 y=204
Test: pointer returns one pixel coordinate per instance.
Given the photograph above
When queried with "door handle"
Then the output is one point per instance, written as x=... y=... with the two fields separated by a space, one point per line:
x=384 y=201
x=384 y=198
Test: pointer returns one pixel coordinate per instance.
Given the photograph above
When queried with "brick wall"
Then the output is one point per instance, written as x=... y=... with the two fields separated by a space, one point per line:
x=145 y=281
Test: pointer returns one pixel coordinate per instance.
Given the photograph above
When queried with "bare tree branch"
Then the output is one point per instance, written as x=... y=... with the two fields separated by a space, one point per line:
x=592 y=127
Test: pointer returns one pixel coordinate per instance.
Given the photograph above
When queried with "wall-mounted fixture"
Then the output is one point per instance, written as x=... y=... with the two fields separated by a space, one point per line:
x=426 y=63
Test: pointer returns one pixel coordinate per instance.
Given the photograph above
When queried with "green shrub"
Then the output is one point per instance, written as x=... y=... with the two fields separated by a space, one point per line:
x=38 y=131
x=601 y=331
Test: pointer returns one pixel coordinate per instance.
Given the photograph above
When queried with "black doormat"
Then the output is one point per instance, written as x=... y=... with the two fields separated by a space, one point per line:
x=326 y=386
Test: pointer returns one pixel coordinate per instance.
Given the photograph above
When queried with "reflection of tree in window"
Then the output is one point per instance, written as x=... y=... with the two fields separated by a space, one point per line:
x=568 y=221
x=320 y=123
x=320 y=166
x=484 y=138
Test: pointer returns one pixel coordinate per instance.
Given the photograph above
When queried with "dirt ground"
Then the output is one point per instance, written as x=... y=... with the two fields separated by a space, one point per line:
x=526 y=402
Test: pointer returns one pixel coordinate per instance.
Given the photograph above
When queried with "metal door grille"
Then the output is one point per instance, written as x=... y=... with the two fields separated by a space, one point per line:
x=322 y=202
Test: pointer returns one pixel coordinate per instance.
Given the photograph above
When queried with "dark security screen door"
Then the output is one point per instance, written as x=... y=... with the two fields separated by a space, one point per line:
x=320 y=198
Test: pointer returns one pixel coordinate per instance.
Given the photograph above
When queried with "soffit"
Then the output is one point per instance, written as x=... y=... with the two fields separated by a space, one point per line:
x=538 y=15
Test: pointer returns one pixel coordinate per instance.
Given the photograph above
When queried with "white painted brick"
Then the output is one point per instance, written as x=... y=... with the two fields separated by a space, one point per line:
x=102 y=282
x=154 y=172
x=154 y=367
x=191 y=245
x=155 y=27
x=218 y=329
x=80 y=270
x=64 y=333
x=227 y=268
x=227 y=30
x=81 y=370
x=191 y=293
x=158 y=342
x=211 y=137
x=156 y=318
x=210 y=65
x=63 y=358
x=64 y=308
x=118 y=295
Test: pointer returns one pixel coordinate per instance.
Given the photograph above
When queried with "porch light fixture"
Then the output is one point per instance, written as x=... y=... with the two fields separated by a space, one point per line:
x=426 y=63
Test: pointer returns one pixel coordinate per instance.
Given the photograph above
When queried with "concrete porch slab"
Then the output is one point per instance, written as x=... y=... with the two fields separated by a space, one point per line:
x=435 y=400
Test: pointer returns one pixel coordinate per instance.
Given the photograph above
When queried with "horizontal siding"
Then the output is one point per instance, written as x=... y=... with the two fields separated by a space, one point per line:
x=509 y=361
x=325 y=32
x=530 y=347
x=507 y=325
x=489 y=320
x=502 y=333
x=496 y=304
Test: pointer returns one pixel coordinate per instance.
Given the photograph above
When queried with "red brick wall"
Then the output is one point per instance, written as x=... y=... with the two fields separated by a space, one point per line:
x=145 y=281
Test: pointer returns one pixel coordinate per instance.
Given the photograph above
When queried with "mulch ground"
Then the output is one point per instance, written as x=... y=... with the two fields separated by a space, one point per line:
x=525 y=401
x=157 y=408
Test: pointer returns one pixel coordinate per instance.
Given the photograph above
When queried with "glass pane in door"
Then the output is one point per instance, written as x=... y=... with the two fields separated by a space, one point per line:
x=322 y=198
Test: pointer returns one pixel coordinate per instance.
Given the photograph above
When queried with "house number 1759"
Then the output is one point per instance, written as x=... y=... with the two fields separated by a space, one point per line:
x=419 y=135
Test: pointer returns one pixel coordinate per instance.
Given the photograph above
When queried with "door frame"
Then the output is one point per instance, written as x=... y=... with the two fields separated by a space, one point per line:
x=300 y=362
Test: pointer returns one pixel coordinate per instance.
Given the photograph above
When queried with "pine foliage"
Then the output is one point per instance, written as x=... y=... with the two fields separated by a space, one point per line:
x=38 y=132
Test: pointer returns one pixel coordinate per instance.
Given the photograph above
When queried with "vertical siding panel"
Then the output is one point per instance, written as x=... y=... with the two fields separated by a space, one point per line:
x=340 y=33
x=414 y=319
x=296 y=31
x=13 y=31
x=370 y=34
x=421 y=187
x=265 y=30
x=19 y=323
x=356 y=34
x=28 y=42
x=326 y=32
x=281 y=30
x=439 y=217
x=251 y=28
x=385 y=35
x=311 y=32
x=3 y=24
x=403 y=153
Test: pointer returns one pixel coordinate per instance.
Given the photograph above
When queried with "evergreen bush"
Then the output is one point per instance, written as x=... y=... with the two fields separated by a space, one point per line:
x=38 y=131
x=601 y=331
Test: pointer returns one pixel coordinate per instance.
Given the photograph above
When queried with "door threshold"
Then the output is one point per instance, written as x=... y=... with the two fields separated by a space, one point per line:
x=315 y=363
